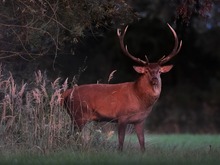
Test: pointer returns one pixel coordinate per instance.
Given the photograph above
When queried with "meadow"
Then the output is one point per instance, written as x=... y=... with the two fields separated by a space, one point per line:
x=161 y=149
x=34 y=129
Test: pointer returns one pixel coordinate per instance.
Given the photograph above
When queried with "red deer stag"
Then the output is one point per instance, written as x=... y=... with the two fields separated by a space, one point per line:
x=124 y=103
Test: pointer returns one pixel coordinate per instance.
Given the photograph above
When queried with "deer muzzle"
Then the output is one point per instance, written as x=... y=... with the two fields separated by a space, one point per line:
x=154 y=81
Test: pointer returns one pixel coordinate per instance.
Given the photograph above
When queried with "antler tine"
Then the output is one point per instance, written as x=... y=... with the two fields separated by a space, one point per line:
x=147 y=61
x=176 y=49
x=125 y=48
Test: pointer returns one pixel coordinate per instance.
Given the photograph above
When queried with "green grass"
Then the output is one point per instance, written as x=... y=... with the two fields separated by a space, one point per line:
x=160 y=149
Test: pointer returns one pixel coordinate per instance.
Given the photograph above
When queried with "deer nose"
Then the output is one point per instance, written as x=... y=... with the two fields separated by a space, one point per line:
x=154 y=81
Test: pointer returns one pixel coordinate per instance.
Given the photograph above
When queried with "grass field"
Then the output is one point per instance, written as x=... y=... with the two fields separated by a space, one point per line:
x=161 y=149
x=34 y=130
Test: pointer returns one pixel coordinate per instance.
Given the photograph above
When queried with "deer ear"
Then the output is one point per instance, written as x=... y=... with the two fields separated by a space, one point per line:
x=165 y=69
x=139 y=69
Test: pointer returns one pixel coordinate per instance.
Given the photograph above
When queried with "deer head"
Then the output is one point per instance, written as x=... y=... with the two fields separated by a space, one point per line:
x=151 y=70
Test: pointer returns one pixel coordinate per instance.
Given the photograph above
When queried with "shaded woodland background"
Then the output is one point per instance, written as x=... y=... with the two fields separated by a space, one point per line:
x=77 y=39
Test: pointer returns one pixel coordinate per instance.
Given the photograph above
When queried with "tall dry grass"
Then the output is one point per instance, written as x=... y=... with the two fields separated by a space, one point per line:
x=31 y=118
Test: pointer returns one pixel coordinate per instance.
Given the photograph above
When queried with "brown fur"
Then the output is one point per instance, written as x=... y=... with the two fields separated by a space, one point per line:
x=125 y=103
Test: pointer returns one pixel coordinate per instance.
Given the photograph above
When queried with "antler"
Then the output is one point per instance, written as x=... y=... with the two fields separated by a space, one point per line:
x=125 y=49
x=176 y=49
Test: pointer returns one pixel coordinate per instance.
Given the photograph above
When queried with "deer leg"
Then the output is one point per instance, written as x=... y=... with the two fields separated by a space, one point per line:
x=76 y=124
x=121 y=135
x=79 y=124
x=70 y=132
x=139 y=129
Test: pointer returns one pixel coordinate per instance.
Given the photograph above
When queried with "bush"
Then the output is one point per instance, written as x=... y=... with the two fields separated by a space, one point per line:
x=31 y=29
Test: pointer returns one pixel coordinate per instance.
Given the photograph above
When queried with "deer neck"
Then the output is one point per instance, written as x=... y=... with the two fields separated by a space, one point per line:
x=148 y=88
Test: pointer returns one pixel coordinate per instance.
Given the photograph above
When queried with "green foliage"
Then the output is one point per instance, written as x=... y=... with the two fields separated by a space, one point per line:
x=34 y=28
x=189 y=8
